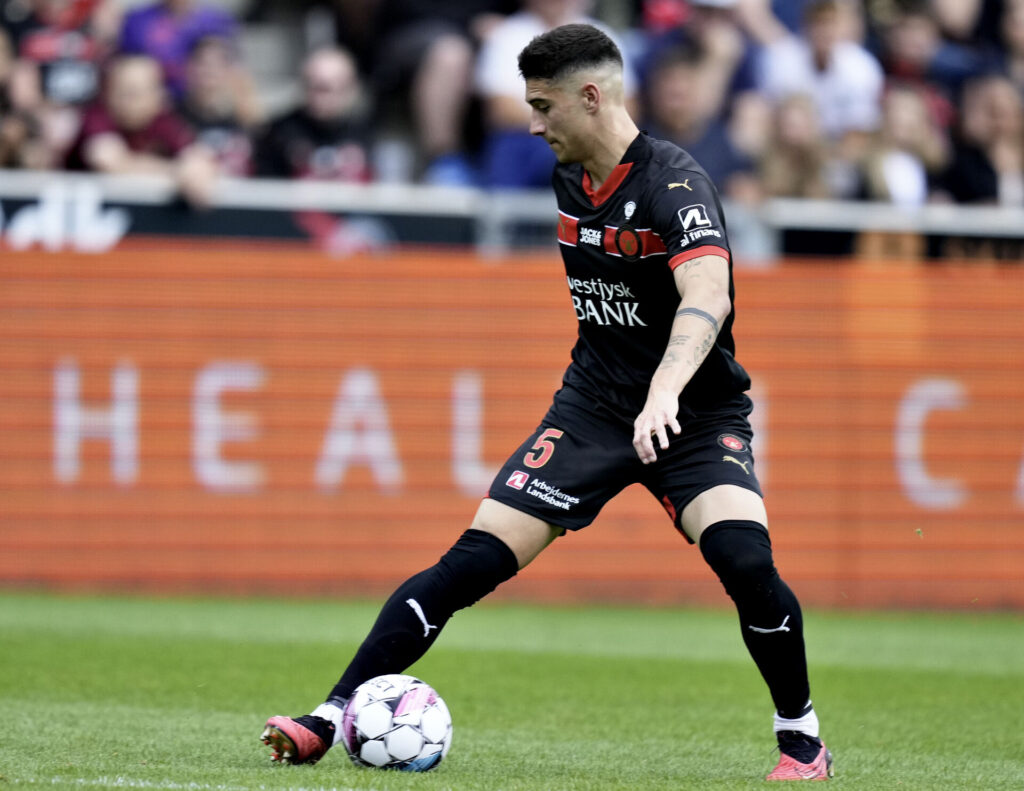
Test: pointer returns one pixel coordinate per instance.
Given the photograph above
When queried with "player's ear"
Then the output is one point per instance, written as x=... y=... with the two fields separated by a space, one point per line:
x=590 y=94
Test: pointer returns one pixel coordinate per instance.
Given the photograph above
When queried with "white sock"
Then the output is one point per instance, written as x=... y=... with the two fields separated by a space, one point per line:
x=808 y=723
x=333 y=714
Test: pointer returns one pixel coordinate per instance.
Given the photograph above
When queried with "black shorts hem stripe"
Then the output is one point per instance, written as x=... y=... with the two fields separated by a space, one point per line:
x=566 y=524
x=751 y=486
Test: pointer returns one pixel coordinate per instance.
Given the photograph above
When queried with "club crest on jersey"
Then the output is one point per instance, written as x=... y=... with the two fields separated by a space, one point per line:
x=627 y=239
x=627 y=242
x=732 y=442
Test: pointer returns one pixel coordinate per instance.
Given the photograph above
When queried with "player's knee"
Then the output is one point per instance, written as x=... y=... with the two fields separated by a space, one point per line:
x=525 y=535
x=740 y=553
x=475 y=565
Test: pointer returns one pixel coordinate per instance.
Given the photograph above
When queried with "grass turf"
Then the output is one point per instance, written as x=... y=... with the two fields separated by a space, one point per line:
x=171 y=694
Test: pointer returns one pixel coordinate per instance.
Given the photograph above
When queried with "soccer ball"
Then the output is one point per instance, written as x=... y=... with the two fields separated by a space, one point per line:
x=396 y=722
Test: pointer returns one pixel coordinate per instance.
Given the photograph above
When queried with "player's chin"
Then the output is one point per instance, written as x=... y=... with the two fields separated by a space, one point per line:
x=561 y=154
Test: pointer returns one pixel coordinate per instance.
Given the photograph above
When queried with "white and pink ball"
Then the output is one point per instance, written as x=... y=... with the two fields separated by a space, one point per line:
x=397 y=722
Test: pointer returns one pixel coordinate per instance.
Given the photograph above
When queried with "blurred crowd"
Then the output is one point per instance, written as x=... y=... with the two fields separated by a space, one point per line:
x=905 y=101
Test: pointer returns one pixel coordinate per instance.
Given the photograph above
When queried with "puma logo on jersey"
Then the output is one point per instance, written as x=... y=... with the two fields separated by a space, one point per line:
x=734 y=460
x=685 y=184
x=419 y=614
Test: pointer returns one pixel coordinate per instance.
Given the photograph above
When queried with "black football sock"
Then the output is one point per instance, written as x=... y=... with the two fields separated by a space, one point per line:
x=416 y=613
x=740 y=553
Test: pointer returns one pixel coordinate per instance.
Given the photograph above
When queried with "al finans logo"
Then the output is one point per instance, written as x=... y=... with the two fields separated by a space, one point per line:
x=518 y=479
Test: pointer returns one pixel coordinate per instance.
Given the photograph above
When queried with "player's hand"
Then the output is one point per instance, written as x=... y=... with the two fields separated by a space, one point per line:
x=659 y=414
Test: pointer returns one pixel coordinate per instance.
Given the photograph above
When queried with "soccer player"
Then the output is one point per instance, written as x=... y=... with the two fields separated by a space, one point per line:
x=653 y=395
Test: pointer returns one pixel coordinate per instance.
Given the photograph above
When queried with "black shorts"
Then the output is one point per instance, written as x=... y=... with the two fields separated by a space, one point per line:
x=582 y=455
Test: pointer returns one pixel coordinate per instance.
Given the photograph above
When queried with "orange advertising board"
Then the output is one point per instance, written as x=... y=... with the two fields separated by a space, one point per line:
x=271 y=419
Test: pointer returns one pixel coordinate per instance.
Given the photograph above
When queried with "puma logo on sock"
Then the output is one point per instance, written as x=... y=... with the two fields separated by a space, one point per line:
x=780 y=628
x=423 y=618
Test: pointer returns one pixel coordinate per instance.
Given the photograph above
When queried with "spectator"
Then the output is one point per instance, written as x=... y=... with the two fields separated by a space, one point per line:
x=843 y=78
x=20 y=145
x=796 y=162
x=725 y=58
x=677 y=111
x=325 y=138
x=750 y=124
x=513 y=158
x=969 y=21
x=988 y=153
x=168 y=30
x=59 y=48
x=132 y=132
x=909 y=152
x=6 y=67
x=220 y=104
x=425 y=59
x=788 y=12
x=1012 y=29
x=914 y=50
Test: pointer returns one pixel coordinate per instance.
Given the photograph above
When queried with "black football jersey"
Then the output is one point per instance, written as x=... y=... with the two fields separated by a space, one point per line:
x=620 y=244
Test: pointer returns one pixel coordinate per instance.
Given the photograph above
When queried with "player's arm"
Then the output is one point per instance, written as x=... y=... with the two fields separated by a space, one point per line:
x=704 y=304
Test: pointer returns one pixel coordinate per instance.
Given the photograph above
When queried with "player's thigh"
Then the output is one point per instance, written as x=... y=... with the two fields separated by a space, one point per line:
x=726 y=502
x=707 y=475
x=569 y=467
x=524 y=534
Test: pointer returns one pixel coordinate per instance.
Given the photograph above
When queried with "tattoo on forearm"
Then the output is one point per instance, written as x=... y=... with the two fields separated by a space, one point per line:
x=696 y=355
x=700 y=314
x=701 y=351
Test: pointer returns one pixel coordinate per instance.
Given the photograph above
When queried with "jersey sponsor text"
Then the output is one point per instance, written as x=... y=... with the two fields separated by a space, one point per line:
x=604 y=312
x=551 y=495
x=700 y=233
x=610 y=306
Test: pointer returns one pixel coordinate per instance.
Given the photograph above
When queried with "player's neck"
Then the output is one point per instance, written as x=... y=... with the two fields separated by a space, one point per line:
x=609 y=147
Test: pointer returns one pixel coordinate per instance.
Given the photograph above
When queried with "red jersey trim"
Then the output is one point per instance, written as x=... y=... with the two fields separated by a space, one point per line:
x=568 y=228
x=617 y=176
x=697 y=252
x=650 y=242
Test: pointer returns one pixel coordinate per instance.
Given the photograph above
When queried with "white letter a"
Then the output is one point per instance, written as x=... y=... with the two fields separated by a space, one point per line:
x=360 y=433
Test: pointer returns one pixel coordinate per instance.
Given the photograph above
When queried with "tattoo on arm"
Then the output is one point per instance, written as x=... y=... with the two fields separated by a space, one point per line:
x=671 y=358
x=702 y=351
x=700 y=314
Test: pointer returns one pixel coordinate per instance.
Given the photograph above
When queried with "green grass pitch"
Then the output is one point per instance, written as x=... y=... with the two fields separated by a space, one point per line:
x=110 y=692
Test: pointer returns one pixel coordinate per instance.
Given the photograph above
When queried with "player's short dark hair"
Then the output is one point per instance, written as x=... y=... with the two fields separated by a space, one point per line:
x=565 y=49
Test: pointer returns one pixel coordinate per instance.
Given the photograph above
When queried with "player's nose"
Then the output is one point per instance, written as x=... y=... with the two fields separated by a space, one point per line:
x=537 y=125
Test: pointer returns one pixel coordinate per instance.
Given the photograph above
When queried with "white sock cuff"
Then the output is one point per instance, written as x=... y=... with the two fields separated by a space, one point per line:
x=808 y=723
x=332 y=713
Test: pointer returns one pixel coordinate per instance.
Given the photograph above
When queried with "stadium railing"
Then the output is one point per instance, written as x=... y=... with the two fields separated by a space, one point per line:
x=492 y=221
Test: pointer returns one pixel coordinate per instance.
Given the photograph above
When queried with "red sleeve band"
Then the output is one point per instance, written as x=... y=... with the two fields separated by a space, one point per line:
x=697 y=252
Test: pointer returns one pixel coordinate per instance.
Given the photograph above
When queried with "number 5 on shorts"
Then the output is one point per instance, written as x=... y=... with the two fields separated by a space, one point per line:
x=542 y=449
